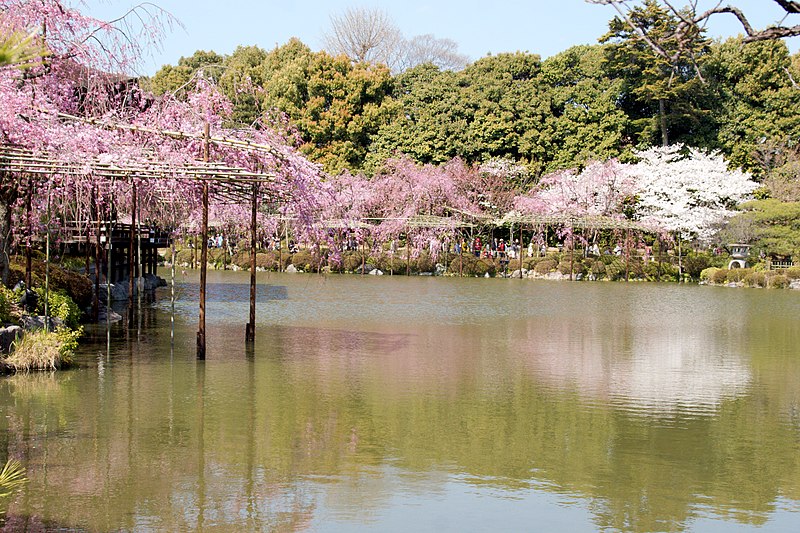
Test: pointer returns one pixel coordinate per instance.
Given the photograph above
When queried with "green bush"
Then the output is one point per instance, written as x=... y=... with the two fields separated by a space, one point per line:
x=598 y=269
x=76 y=285
x=545 y=266
x=352 y=261
x=694 y=263
x=735 y=275
x=42 y=350
x=305 y=260
x=793 y=273
x=576 y=268
x=661 y=271
x=60 y=305
x=481 y=267
x=615 y=269
x=779 y=281
x=719 y=276
x=708 y=273
x=7 y=299
x=755 y=279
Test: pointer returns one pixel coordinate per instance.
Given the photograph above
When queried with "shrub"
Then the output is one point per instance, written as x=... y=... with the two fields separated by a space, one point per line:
x=241 y=259
x=305 y=260
x=708 y=273
x=42 y=350
x=481 y=267
x=576 y=268
x=735 y=275
x=719 y=276
x=424 y=263
x=60 y=305
x=755 y=279
x=694 y=264
x=779 y=281
x=598 y=269
x=267 y=261
x=77 y=286
x=793 y=273
x=351 y=261
x=7 y=299
x=545 y=266
x=615 y=269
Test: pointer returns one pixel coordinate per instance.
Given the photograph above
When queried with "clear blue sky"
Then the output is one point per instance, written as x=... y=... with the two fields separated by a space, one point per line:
x=543 y=27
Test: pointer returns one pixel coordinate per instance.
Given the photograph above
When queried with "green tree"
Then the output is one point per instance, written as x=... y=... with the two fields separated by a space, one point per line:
x=585 y=122
x=651 y=51
x=758 y=102
x=174 y=79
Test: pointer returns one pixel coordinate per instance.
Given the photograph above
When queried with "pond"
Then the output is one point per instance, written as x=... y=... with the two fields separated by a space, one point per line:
x=421 y=404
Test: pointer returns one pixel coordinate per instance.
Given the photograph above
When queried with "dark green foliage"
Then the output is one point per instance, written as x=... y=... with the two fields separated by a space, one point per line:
x=76 y=286
x=694 y=263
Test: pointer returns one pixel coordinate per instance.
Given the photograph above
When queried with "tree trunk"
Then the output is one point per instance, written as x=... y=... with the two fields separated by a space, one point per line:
x=5 y=236
x=662 y=117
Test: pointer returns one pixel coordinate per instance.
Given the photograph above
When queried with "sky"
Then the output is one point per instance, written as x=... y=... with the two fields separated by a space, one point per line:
x=543 y=27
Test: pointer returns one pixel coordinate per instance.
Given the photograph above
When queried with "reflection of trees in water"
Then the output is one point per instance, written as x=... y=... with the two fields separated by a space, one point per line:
x=316 y=416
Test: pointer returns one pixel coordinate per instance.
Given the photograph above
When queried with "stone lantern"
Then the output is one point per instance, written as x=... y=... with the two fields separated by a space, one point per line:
x=739 y=253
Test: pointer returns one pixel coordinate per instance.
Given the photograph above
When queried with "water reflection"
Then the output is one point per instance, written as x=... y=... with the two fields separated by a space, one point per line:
x=564 y=405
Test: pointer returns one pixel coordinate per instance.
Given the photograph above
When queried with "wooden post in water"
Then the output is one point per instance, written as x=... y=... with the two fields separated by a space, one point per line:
x=250 y=330
x=131 y=252
x=520 y=250
x=47 y=269
x=627 y=254
x=201 y=326
x=139 y=267
x=28 y=254
x=408 y=254
x=97 y=255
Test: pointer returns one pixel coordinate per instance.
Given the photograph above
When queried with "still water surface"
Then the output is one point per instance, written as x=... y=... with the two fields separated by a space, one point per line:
x=422 y=404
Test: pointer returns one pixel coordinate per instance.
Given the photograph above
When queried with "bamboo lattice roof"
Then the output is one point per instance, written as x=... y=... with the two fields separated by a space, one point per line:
x=228 y=183
x=581 y=222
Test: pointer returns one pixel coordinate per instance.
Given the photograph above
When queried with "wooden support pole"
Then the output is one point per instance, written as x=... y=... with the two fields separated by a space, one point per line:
x=408 y=254
x=201 y=327
x=98 y=252
x=627 y=255
x=250 y=332
x=47 y=268
x=28 y=247
x=520 y=251
x=131 y=252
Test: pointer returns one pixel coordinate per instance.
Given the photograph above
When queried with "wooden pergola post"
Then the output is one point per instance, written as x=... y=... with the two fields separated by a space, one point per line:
x=201 y=326
x=28 y=251
x=97 y=255
x=250 y=331
x=131 y=251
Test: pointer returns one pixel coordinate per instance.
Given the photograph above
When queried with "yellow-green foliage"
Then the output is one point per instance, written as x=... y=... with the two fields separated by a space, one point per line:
x=41 y=350
x=12 y=477
x=707 y=274
x=719 y=276
x=735 y=275
x=755 y=279
x=793 y=273
x=7 y=299
x=60 y=306
x=777 y=281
